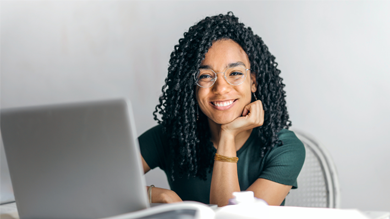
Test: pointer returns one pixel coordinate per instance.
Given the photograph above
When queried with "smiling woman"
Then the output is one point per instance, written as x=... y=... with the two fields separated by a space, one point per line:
x=224 y=121
x=225 y=99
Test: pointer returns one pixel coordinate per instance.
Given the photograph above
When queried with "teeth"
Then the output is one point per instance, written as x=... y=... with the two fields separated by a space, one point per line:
x=227 y=103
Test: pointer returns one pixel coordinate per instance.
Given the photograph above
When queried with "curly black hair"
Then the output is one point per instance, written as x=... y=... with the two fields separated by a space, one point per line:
x=189 y=135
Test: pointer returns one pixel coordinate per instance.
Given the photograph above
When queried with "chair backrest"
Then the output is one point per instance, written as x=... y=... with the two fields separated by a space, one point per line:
x=318 y=184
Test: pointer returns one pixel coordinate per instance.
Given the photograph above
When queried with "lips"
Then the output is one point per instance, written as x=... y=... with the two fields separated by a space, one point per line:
x=223 y=105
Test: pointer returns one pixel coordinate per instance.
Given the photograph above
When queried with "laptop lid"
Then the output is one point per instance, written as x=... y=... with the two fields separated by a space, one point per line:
x=78 y=160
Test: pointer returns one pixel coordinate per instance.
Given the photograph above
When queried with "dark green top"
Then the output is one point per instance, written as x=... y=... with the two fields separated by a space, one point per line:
x=281 y=164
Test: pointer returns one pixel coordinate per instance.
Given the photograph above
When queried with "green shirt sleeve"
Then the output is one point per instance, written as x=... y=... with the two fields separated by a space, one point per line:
x=283 y=163
x=153 y=146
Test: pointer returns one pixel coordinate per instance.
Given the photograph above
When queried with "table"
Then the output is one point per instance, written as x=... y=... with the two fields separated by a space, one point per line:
x=9 y=211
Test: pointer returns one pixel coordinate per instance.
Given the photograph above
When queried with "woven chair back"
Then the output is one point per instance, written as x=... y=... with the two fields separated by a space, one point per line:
x=318 y=184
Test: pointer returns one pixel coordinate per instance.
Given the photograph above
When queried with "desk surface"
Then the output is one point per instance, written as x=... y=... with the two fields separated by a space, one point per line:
x=9 y=211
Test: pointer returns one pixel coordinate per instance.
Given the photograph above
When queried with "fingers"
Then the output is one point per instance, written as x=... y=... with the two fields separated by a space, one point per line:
x=252 y=117
x=255 y=113
x=248 y=108
x=246 y=111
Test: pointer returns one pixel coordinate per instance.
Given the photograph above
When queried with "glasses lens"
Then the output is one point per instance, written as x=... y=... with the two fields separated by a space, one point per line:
x=205 y=77
x=235 y=75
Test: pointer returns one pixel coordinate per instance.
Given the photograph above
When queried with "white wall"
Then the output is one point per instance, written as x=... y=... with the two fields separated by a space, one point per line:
x=334 y=57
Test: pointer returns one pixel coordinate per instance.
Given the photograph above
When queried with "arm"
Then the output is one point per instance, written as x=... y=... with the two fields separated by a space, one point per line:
x=225 y=178
x=225 y=181
x=272 y=192
x=160 y=195
x=282 y=168
x=152 y=147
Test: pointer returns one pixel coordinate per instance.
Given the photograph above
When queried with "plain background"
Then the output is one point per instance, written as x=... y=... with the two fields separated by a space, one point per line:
x=334 y=58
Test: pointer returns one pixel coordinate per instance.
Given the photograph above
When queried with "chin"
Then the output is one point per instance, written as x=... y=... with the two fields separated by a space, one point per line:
x=224 y=120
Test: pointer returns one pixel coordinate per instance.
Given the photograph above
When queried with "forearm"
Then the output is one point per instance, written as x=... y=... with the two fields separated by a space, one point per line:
x=224 y=178
x=160 y=195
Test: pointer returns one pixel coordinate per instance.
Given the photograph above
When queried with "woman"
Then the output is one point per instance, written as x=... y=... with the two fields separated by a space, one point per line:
x=224 y=120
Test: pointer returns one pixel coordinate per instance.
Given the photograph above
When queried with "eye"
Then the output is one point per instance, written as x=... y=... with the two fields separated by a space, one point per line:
x=236 y=73
x=204 y=76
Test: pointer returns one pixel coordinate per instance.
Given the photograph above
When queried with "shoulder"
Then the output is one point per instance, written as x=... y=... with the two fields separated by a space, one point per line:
x=288 y=137
x=154 y=137
x=153 y=144
x=152 y=133
x=290 y=141
x=154 y=129
x=291 y=150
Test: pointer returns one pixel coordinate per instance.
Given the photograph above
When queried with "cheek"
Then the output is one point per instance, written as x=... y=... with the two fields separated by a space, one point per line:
x=201 y=98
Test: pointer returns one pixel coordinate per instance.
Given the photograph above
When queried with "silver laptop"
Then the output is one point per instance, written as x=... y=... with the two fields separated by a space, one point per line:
x=6 y=192
x=74 y=160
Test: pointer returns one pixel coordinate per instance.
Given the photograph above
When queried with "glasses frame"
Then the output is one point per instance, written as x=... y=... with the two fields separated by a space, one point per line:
x=216 y=77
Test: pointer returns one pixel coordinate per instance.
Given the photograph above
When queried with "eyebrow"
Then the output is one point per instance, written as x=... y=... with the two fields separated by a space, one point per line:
x=230 y=65
x=236 y=64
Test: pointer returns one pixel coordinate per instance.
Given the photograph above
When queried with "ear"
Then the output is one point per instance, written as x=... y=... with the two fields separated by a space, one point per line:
x=253 y=83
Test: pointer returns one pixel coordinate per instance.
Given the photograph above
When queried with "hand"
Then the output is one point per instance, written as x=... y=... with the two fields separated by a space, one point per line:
x=252 y=117
x=160 y=195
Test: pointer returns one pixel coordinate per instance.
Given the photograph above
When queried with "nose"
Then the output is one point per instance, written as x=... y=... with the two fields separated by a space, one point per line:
x=221 y=86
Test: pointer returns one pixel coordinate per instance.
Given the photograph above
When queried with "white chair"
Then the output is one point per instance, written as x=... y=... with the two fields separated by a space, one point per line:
x=318 y=184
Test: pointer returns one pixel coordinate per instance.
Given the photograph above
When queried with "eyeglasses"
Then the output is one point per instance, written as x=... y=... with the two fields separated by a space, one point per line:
x=234 y=75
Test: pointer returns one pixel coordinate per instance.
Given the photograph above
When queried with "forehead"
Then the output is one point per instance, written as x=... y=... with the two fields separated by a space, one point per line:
x=224 y=52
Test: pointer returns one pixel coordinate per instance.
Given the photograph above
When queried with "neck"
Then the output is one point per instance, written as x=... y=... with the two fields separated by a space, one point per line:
x=239 y=140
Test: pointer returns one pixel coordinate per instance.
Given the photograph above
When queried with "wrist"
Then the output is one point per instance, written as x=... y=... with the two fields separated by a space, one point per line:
x=227 y=135
x=226 y=146
x=150 y=192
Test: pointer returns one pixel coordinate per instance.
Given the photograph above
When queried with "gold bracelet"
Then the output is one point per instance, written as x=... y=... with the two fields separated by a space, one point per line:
x=150 y=193
x=222 y=158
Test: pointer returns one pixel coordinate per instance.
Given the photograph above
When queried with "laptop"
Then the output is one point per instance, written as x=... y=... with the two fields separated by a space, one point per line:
x=80 y=160
x=6 y=192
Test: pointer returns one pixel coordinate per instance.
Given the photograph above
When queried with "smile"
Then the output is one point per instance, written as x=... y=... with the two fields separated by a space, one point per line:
x=223 y=105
